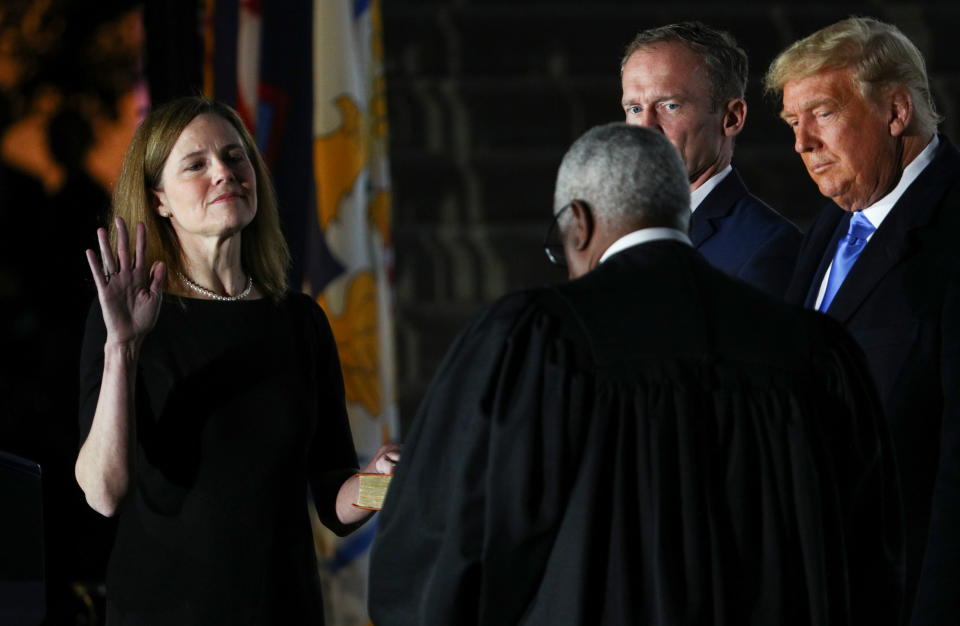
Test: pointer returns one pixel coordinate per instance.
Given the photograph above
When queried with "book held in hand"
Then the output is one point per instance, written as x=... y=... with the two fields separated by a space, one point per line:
x=373 y=490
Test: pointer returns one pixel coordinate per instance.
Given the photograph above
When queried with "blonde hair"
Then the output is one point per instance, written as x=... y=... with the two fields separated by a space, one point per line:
x=879 y=54
x=264 y=253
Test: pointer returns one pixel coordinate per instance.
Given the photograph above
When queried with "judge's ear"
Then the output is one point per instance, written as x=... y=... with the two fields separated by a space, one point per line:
x=734 y=116
x=582 y=227
x=900 y=110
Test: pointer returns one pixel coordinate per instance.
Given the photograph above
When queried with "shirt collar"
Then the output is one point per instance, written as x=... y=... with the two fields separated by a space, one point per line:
x=701 y=192
x=877 y=211
x=644 y=235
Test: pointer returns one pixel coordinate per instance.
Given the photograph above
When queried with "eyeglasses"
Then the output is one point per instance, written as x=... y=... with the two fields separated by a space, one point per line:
x=552 y=245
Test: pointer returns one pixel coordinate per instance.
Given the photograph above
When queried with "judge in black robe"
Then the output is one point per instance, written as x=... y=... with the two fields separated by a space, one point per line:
x=651 y=443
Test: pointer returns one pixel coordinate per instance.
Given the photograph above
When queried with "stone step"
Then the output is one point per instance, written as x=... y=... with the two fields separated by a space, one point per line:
x=503 y=186
x=471 y=262
x=436 y=188
x=464 y=116
x=575 y=38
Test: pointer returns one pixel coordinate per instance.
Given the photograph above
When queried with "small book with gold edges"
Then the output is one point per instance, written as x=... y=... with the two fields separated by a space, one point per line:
x=373 y=490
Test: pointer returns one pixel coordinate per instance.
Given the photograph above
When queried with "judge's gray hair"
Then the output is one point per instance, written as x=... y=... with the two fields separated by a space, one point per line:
x=627 y=175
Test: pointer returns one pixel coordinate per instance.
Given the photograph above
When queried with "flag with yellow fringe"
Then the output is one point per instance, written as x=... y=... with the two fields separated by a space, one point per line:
x=353 y=215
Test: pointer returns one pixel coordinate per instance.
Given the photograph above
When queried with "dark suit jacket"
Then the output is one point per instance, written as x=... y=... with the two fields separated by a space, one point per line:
x=901 y=303
x=744 y=237
x=654 y=443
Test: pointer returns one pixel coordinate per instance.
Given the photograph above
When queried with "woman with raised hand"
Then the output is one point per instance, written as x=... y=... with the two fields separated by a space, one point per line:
x=211 y=396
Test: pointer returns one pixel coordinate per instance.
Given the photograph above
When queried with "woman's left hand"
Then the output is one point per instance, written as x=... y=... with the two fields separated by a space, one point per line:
x=383 y=462
x=385 y=459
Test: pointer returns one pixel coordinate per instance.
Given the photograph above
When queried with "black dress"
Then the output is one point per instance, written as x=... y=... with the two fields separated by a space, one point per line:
x=239 y=409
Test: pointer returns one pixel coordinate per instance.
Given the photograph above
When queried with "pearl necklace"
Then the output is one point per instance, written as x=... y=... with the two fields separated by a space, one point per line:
x=216 y=296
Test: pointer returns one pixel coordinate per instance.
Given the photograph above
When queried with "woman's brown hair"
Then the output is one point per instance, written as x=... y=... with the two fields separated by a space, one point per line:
x=264 y=251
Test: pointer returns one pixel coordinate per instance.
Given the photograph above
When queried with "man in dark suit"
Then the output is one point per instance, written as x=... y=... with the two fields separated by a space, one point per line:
x=882 y=258
x=652 y=442
x=687 y=81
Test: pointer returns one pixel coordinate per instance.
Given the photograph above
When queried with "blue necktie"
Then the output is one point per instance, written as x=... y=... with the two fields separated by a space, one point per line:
x=848 y=250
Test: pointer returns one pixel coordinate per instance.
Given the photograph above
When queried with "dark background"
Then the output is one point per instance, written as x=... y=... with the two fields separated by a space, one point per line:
x=484 y=97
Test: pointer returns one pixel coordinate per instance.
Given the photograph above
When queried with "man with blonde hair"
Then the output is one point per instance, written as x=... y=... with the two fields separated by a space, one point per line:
x=882 y=259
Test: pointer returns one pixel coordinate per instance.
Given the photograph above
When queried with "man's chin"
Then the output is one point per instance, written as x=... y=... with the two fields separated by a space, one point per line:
x=847 y=204
x=840 y=196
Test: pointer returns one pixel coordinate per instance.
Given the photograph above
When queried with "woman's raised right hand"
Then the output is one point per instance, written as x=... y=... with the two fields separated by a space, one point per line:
x=130 y=296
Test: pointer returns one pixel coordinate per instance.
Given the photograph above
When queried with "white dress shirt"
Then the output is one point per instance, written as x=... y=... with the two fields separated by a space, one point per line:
x=644 y=235
x=878 y=211
x=701 y=192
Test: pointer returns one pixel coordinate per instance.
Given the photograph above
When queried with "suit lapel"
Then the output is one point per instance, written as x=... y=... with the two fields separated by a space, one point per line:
x=705 y=221
x=895 y=239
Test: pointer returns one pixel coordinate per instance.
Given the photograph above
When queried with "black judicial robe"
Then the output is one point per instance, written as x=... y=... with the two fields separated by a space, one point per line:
x=654 y=443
